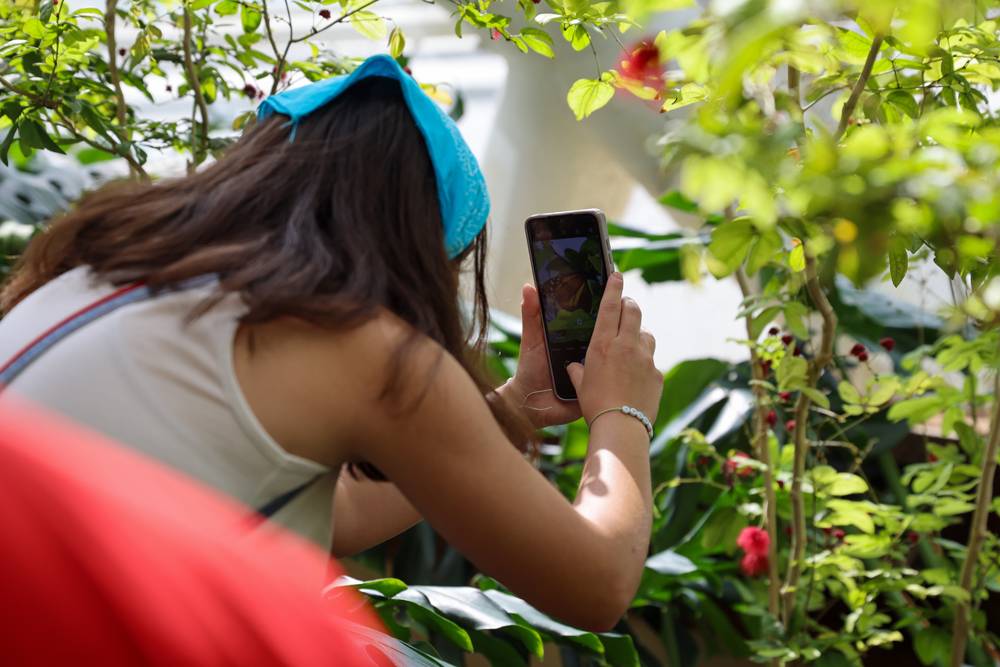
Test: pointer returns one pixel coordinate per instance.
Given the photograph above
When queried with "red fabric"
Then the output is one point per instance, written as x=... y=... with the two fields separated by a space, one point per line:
x=108 y=558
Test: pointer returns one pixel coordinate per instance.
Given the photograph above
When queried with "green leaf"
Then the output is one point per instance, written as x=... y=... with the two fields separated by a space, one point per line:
x=797 y=258
x=34 y=28
x=816 y=396
x=866 y=546
x=897 y=259
x=619 y=650
x=522 y=611
x=791 y=372
x=577 y=36
x=397 y=42
x=846 y=484
x=915 y=410
x=369 y=24
x=675 y=199
x=250 y=17
x=35 y=136
x=588 y=95
x=932 y=645
x=538 y=41
x=227 y=7
x=670 y=562
x=763 y=250
x=386 y=586
x=795 y=313
x=731 y=242
x=764 y=318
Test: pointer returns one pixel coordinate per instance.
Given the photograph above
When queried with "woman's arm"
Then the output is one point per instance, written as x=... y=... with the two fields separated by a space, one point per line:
x=367 y=513
x=580 y=561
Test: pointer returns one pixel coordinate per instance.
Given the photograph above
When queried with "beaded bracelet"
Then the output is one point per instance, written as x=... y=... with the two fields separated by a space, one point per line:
x=631 y=412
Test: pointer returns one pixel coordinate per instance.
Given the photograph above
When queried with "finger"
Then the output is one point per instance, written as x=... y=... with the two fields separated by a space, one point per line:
x=609 y=313
x=532 y=334
x=631 y=320
x=575 y=372
x=648 y=341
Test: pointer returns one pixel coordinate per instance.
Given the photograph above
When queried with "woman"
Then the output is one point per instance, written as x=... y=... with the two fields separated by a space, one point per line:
x=304 y=314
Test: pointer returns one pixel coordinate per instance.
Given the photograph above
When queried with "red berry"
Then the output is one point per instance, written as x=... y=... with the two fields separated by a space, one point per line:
x=787 y=338
x=169 y=88
x=122 y=52
x=790 y=425
x=827 y=531
x=771 y=418
x=913 y=537
x=325 y=13
x=781 y=484
x=250 y=90
x=765 y=366
x=932 y=458
x=888 y=343
x=773 y=331
x=797 y=352
x=495 y=34
x=863 y=357
x=536 y=1
x=858 y=350
x=785 y=396
x=732 y=466
x=839 y=534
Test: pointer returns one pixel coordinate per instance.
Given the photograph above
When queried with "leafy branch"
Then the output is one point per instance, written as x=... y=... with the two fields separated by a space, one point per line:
x=977 y=533
x=763 y=453
x=859 y=86
x=199 y=137
x=816 y=366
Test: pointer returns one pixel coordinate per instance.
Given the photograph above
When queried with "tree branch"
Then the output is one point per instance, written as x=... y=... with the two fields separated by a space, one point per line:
x=819 y=362
x=763 y=452
x=340 y=19
x=197 y=151
x=977 y=533
x=859 y=86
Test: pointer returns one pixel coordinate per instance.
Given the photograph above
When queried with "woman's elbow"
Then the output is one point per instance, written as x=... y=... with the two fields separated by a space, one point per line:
x=604 y=602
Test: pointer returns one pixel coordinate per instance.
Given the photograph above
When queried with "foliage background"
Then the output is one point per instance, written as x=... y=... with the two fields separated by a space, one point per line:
x=826 y=147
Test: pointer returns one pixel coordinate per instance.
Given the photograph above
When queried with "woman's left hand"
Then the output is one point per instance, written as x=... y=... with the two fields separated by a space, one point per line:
x=531 y=386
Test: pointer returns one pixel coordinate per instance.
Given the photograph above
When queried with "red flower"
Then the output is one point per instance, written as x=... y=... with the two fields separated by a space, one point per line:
x=766 y=367
x=771 y=418
x=932 y=458
x=863 y=357
x=755 y=543
x=839 y=534
x=797 y=352
x=913 y=537
x=495 y=34
x=732 y=466
x=787 y=338
x=325 y=13
x=250 y=90
x=785 y=396
x=642 y=64
x=858 y=350
x=790 y=425
x=888 y=343
x=754 y=565
x=754 y=540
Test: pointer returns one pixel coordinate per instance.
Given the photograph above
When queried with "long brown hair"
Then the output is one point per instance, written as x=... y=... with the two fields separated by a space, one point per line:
x=329 y=227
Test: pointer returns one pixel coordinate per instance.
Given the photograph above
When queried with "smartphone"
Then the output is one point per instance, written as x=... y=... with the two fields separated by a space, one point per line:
x=571 y=263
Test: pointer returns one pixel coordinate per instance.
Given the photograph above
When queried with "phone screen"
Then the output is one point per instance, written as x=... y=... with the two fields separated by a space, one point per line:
x=568 y=255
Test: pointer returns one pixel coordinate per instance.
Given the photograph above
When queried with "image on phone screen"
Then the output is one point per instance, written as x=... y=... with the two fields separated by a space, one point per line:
x=570 y=273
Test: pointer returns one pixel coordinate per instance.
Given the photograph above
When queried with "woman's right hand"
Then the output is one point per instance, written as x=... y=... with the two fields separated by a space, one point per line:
x=618 y=369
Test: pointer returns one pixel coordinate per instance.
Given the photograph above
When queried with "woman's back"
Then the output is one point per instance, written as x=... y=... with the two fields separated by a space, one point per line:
x=150 y=376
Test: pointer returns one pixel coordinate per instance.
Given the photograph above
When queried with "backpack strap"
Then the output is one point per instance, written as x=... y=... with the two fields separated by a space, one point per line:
x=123 y=296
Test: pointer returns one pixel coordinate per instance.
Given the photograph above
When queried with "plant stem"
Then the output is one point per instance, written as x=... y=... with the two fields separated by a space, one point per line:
x=762 y=449
x=816 y=367
x=859 y=86
x=794 y=86
x=198 y=143
x=110 y=19
x=977 y=533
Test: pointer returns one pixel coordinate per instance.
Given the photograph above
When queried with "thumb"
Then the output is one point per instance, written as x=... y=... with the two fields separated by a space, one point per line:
x=575 y=372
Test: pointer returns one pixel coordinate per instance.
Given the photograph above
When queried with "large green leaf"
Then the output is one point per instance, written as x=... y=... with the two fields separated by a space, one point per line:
x=588 y=95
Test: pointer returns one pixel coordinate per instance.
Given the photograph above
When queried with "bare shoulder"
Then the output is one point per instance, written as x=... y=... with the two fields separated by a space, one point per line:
x=311 y=387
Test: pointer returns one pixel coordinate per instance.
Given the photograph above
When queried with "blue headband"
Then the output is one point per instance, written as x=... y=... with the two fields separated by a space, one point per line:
x=465 y=203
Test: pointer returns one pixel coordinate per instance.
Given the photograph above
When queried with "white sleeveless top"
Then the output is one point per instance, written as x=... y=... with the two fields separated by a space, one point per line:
x=148 y=378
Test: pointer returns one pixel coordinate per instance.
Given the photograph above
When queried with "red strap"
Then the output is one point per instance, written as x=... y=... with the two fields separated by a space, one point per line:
x=69 y=318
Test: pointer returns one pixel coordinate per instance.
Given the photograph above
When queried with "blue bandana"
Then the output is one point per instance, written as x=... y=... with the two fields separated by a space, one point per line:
x=465 y=203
